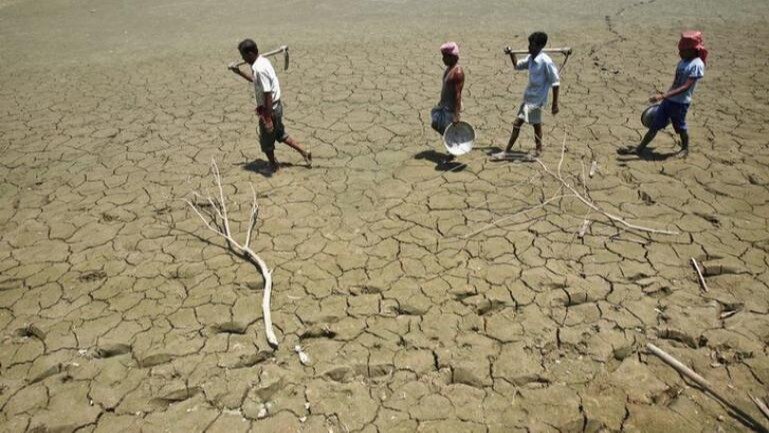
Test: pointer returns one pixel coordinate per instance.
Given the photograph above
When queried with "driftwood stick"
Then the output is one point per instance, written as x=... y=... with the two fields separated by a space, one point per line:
x=703 y=284
x=501 y=220
x=705 y=385
x=221 y=226
x=592 y=205
x=267 y=274
x=760 y=405
x=681 y=368
x=222 y=203
x=252 y=217
x=563 y=156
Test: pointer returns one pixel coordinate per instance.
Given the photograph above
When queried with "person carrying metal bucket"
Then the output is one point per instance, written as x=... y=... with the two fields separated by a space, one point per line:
x=447 y=111
x=675 y=102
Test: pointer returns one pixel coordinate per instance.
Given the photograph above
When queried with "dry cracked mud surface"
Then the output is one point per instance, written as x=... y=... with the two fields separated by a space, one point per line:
x=429 y=297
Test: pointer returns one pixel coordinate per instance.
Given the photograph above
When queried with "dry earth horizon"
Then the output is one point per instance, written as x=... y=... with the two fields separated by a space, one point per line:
x=428 y=297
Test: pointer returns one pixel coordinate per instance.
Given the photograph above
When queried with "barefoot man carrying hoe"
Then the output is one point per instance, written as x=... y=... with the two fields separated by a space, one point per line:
x=268 y=105
x=543 y=75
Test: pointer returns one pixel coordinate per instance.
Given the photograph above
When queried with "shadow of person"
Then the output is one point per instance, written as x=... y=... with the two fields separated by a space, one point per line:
x=262 y=167
x=489 y=150
x=625 y=155
x=512 y=156
x=442 y=161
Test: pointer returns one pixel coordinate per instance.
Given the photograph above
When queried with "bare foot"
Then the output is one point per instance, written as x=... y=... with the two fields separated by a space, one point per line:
x=308 y=159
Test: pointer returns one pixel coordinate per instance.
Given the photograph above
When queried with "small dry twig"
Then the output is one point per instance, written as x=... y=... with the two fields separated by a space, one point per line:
x=583 y=229
x=559 y=177
x=219 y=223
x=501 y=220
x=760 y=405
x=699 y=274
x=704 y=384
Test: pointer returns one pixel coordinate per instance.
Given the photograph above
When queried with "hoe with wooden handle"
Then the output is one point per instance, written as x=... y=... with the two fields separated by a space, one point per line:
x=565 y=51
x=282 y=49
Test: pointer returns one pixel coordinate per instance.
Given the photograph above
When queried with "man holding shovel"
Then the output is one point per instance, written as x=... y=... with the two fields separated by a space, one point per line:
x=268 y=105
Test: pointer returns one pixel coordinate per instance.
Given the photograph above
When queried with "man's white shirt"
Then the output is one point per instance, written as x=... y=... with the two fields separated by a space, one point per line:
x=265 y=80
x=543 y=74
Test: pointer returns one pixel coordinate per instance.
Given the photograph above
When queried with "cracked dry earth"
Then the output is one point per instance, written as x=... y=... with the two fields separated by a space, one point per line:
x=425 y=298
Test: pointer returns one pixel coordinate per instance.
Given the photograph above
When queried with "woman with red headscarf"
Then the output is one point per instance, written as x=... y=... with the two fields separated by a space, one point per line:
x=675 y=102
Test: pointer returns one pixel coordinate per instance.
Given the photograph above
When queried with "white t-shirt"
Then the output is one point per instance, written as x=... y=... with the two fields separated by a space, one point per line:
x=686 y=69
x=543 y=74
x=265 y=80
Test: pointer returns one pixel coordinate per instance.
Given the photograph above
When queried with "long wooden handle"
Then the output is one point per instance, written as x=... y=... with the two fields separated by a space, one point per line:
x=564 y=50
x=275 y=51
x=278 y=50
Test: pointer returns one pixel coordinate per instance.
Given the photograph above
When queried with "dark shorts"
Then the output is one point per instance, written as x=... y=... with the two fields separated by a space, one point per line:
x=441 y=118
x=673 y=112
x=266 y=139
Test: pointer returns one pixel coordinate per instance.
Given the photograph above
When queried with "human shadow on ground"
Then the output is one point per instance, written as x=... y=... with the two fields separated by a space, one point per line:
x=512 y=156
x=442 y=161
x=262 y=167
x=625 y=155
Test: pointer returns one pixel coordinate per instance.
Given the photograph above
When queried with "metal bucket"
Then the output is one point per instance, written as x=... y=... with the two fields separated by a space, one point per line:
x=647 y=117
x=459 y=138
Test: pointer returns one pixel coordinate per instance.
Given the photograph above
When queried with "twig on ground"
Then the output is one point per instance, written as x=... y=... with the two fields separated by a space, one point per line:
x=218 y=222
x=760 y=405
x=704 y=384
x=703 y=284
x=583 y=229
x=501 y=220
x=557 y=176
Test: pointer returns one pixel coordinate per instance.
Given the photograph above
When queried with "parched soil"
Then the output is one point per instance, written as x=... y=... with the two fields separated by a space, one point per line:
x=429 y=296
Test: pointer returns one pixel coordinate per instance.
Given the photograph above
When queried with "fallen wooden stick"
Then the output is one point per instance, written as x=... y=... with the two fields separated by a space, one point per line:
x=704 y=384
x=592 y=205
x=222 y=228
x=761 y=405
x=501 y=220
x=699 y=273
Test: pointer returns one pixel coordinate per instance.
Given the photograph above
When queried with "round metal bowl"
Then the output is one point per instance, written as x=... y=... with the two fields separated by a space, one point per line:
x=459 y=138
x=647 y=117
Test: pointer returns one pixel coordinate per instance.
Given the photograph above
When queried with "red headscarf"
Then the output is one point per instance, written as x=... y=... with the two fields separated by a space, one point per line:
x=692 y=40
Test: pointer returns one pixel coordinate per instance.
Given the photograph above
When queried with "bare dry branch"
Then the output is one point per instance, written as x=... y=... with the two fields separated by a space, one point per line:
x=557 y=176
x=222 y=223
x=760 y=405
x=501 y=220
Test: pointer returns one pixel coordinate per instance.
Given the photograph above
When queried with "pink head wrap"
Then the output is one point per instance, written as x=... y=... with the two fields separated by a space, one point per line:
x=450 y=48
x=692 y=40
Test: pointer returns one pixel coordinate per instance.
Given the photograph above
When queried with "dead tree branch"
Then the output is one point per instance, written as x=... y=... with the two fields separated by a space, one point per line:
x=219 y=223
